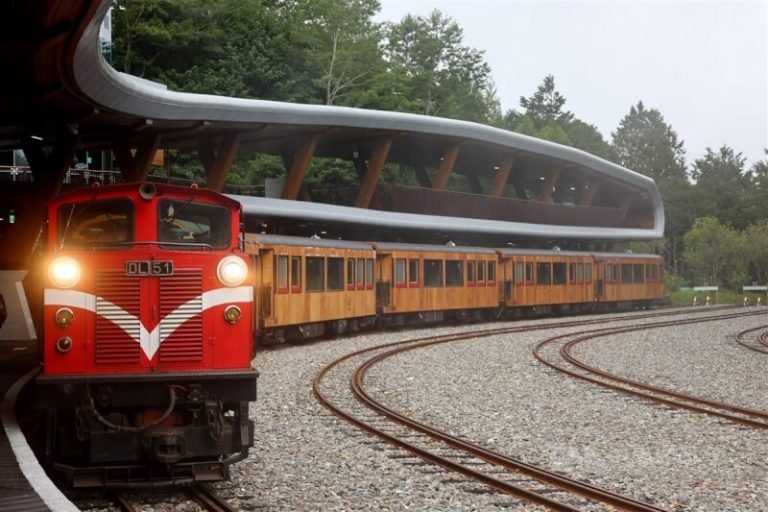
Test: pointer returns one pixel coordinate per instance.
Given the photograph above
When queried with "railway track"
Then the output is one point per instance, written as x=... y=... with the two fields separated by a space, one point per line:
x=557 y=353
x=339 y=387
x=754 y=339
x=200 y=494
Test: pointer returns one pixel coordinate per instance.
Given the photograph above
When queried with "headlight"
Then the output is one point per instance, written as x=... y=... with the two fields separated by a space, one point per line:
x=232 y=314
x=64 y=272
x=64 y=344
x=64 y=317
x=232 y=271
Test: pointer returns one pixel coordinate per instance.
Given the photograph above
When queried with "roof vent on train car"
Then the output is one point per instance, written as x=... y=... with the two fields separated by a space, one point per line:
x=147 y=190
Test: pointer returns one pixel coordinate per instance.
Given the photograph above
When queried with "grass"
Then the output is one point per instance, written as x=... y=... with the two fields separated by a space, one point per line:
x=685 y=297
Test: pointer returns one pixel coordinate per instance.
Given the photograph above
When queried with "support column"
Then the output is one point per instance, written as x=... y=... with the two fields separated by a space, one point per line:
x=446 y=167
x=502 y=176
x=298 y=169
x=375 y=165
x=134 y=166
x=548 y=185
x=48 y=170
x=227 y=151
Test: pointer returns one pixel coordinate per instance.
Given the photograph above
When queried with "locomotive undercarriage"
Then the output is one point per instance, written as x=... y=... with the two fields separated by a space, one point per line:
x=147 y=431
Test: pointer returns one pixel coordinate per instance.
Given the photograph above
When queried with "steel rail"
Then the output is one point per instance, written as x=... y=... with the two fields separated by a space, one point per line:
x=762 y=339
x=210 y=500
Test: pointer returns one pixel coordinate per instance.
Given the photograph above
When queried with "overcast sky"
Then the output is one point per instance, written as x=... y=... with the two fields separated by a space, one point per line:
x=703 y=64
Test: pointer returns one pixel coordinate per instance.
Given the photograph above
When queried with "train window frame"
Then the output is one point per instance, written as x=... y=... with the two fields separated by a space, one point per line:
x=454 y=273
x=360 y=274
x=543 y=278
x=471 y=280
x=296 y=271
x=350 y=274
x=334 y=274
x=413 y=273
x=315 y=274
x=72 y=211
x=430 y=275
x=490 y=279
x=169 y=233
x=399 y=273
x=638 y=268
x=281 y=274
x=559 y=273
x=481 y=281
x=369 y=274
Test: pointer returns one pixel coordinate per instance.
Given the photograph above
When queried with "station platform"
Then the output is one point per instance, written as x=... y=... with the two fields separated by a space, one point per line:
x=23 y=483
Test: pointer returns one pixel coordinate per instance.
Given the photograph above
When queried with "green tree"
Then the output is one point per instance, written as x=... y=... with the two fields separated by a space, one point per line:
x=756 y=250
x=645 y=143
x=441 y=76
x=723 y=187
x=546 y=105
x=714 y=253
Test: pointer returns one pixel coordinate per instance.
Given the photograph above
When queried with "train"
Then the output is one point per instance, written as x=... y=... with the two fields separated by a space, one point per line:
x=147 y=316
x=155 y=300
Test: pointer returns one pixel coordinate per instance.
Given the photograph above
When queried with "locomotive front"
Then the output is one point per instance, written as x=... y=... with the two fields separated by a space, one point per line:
x=148 y=329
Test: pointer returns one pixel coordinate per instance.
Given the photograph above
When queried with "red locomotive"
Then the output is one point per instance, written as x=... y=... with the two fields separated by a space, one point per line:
x=148 y=318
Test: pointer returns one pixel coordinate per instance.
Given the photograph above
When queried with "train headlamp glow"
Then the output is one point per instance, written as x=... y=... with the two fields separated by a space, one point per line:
x=64 y=317
x=232 y=271
x=64 y=344
x=64 y=272
x=232 y=314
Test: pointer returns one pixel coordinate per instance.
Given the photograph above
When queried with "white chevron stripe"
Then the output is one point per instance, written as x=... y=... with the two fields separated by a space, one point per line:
x=149 y=341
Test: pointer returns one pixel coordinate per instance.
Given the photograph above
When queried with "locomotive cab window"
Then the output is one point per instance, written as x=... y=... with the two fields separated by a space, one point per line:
x=185 y=222
x=454 y=273
x=101 y=223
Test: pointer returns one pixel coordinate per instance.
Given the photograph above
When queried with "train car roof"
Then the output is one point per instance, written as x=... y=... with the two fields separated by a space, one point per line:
x=298 y=241
x=394 y=246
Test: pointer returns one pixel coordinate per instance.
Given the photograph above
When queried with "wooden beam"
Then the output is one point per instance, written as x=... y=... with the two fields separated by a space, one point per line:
x=549 y=183
x=135 y=166
x=446 y=167
x=298 y=169
x=375 y=165
x=589 y=194
x=49 y=169
x=502 y=176
x=217 y=173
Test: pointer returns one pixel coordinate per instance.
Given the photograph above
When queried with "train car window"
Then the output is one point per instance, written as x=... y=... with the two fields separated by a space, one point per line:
x=611 y=274
x=400 y=273
x=295 y=274
x=454 y=273
x=529 y=273
x=103 y=223
x=369 y=274
x=626 y=273
x=572 y=273
x=638 y=276
x=650 y=272
x=519 y=276
x=184 y=222
x=559 y=275
x=480 y=273
x=588 y=273
x=413 y=273
x=580 y=273
x=491 y=273
x=315 y=274
x=351 y=274
x=360 y=274
x=433 y=273
x=282 y=274
x=470 y=273
x=543 y=273
x=335 y=274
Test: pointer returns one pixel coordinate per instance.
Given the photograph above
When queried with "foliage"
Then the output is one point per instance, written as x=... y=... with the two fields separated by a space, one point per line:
x=714 y=253
x=756 y=251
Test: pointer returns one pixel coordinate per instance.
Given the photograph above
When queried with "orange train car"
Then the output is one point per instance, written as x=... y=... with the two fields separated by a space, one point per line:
x=307 y=287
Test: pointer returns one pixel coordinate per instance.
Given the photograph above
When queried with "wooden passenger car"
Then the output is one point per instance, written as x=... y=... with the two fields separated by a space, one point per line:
x=430 y=279
x=543 y=278
x=629 y=278
x=306 y=286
